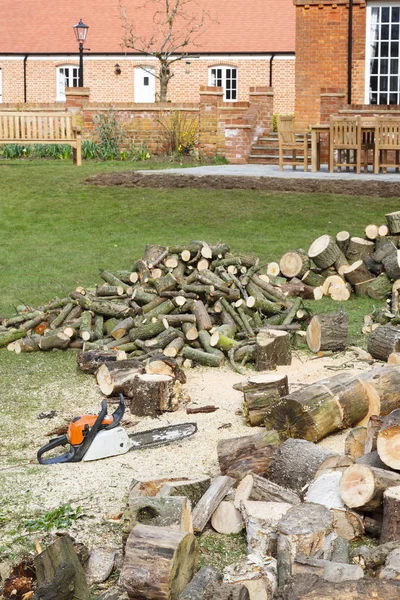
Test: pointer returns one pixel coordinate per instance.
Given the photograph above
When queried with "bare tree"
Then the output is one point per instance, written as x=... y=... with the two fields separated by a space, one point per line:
x=175 y=27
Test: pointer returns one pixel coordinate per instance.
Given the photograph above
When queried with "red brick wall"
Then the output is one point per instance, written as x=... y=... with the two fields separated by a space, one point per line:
x=321 y=52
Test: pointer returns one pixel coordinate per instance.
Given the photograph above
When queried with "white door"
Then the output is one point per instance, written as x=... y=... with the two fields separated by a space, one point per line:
x=144 y=85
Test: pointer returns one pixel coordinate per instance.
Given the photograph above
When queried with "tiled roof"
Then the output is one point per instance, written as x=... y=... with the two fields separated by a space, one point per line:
x=40 y=26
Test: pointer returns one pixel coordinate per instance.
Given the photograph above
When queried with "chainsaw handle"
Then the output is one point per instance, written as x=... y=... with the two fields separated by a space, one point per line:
x=60 y=441
x=117 y=414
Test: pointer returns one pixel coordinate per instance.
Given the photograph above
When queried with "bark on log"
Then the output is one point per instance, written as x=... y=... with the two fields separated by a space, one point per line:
x=57 y=340
x=202 y=358
x=210 y=501
x=122 y=328
x=295 y=463
x=324 y=251
x=390 y=531
x=373 y=427
x=312 y=587
x=328 y=332
x=305 y=529
x=383 y=341
x=263 y=490
x=59 y=573
x=202 y=317
x=318 y=409
x=272 y=349
x=150 y=394
x=373 y=558
x=388 y=440
x=260 y=392
x=362 y=487
x=159 y=563
x=112 y=376
x=226 y=591
x=91 y=360
x=372 y=460
x=262 y=520
x=197 y=587
x=260 y=578
x=358 y=248
x=357 y=272
x=393 y=221
x=355 y=442
x=327 y=570
x=193 y=489
x=252 y=453
x=342 y=240
x=392 y=265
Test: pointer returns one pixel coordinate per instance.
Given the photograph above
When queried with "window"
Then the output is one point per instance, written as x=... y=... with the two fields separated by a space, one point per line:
x=225 y=77
x=382 y=60
x=67 y=76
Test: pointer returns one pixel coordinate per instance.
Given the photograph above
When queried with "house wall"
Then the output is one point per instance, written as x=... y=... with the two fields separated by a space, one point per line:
x=321 y=53
x=106 y=86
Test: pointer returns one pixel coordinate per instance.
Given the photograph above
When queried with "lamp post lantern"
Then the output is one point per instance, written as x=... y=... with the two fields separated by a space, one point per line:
x=80 y=30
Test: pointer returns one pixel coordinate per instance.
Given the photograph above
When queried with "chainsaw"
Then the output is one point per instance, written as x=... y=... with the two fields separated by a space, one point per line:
x=92 y=437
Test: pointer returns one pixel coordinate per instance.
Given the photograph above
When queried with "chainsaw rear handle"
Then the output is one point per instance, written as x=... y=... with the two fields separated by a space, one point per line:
x=76 y=453
x=117 y=414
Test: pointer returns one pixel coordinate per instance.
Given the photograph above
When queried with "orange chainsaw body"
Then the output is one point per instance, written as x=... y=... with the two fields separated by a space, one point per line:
x=77 y=428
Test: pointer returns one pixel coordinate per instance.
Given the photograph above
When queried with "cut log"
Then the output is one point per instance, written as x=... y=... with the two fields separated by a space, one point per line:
x=91 y=360
x=294 y=264
x=273 y=269
x=112 y=376
x=388 y=440
x=380 y=287
x=151 y=487
x=373 y=265
x=393 y=221
x=272 y=349
x=57 y=340
x=59 y=573
x=371 y=232
x=159 y=562
x=393 y=358
x=260 y=392
x=299 y=289
x=373 y=427
x=312 y=587
x=226 y=591
x=382 y=385
x=328 y=332
x=203 y=319
x=196 y=588
x=122 y=328
x=390 y=531
x=371 y=558
x=318 y=409
x=372 y=460
x=159 y=364
x=358 y=248
x=324 y=251
x=392 y=566
x=262 y=519
x=202 y=358
x=210 y=501
x=383 y=341
x=259 y=576
x=340 y=292
x=342 y=240
x=252 y=453
x=193 y=489
x=329 y=281
x=392 y=265
x=150 y=394
x=357 y=272
x=295 y=463
x=336 y=462
x=305 y=529
x=264 y=490
x=227 y=519
x=362 y=487
x=173 y=512
x=355 y=442
x=327 y=570
x=340 y=551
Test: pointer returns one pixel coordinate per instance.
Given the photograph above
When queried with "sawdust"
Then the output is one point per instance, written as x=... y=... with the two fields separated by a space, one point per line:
x=100 y=487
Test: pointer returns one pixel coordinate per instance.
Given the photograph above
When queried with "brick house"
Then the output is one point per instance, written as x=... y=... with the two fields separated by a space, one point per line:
x=243 y=44
x=347 y=55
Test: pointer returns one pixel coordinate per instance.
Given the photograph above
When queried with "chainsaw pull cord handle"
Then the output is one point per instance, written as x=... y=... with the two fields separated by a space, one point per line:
x=117 y=414
x=75 y=453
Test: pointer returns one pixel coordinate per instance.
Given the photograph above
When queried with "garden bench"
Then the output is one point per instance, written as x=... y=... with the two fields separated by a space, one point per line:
x=41 y=128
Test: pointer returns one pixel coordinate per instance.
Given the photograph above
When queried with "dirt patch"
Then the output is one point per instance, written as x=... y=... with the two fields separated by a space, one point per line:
x=383 y=189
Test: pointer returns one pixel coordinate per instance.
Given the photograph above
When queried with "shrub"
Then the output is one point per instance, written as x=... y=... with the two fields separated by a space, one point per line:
x=180 y=131
x=110 y=133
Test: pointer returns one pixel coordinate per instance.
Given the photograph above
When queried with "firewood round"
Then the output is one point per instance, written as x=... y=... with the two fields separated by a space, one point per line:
x=324 y=251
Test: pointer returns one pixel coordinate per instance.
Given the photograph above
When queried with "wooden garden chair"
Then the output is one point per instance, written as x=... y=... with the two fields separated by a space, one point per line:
x=296 y=143
x=345 y=143
x=387 y=138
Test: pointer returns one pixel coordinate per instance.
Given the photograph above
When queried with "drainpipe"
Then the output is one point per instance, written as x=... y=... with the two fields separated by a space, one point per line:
x=350 y=52
x=271 y=60
x=25 y=59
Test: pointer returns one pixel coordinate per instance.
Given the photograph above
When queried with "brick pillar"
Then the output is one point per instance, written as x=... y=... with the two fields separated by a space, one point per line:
x=76 y=98
x=210 y=100
x=332 y=101
x=262 y=98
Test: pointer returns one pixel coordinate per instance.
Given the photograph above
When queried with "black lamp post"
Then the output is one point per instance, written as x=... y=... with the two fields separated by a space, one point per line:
x=80 y=33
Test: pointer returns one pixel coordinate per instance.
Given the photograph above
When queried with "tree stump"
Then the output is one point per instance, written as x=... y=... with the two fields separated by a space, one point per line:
x=328 y=332
x=390 y=531
x=150 y=394
x=59 y=573
x=112 y=376
x=262 y=519
x=388 y=440
x=383 y=341
x=305 y=529
x=251 y=453
x=159 y=562
x=260 y=392
x=318 y=409
x=324 y=252
x=272 y=349
x=362 y=486
x=295 y=463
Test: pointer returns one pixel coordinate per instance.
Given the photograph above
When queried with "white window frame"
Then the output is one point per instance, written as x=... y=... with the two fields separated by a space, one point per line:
x=73 y=80
x=224 y=70
x=370 y=6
